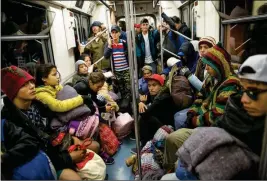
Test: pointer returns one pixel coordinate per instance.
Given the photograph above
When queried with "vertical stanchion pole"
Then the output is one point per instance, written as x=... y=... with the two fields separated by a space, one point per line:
x=107 y=12
x=131 y=65
x=132 y=16
x=263 y=160
x=161 y=38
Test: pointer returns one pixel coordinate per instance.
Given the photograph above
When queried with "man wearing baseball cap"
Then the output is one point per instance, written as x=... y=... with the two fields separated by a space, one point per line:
x=157 y=110
x=245 y=113
x=117 y=49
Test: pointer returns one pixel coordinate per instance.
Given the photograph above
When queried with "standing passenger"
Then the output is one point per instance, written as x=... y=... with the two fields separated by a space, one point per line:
x=117 y=48
x=146 y=46
x=97 y=46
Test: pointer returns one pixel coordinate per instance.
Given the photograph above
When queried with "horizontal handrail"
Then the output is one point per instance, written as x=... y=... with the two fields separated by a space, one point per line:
x=170 y=52
x=248 y=19
x=178 y=33
x=24 y=37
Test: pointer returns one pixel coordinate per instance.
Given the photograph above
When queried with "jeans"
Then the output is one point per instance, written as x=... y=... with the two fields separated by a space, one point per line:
x=183 y=174
x=180 y=118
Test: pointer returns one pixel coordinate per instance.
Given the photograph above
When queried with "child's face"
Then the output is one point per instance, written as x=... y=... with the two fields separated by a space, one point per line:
x=87 y=61
x=83 y=69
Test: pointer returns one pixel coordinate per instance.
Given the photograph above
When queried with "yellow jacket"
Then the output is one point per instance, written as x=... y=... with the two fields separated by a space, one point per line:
x=104 y=92
x=47 y=95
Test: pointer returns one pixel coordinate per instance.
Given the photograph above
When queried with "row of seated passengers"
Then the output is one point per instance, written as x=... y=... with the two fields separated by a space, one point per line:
x=28 y=112
x=21 y=93
x=225 y=101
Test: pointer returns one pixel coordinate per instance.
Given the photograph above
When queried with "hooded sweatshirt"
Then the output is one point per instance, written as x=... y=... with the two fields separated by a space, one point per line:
x=188 y=50
x=238 y=123
x=47 y=95
x=212 y=98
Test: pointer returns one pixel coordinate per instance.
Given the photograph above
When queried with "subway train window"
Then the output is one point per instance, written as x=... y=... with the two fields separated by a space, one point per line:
x=21 y=53
x=20 y=22
x=24 y=19
x=244 y=39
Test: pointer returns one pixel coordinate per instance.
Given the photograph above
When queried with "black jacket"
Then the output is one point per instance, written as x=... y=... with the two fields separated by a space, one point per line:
x=17 y=147
x=60 y=159
x=162 y=107
x=82 y=88
x=237 y=122
x=185 y=30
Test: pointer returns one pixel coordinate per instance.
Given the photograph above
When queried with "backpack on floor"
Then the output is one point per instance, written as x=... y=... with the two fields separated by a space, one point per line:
x=123 y=125
x=108 y=140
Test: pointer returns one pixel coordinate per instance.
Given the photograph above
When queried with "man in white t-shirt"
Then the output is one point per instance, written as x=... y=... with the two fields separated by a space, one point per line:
x=146 y=46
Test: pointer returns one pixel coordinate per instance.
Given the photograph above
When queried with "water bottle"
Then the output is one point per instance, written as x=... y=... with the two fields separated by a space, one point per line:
x=195 y=82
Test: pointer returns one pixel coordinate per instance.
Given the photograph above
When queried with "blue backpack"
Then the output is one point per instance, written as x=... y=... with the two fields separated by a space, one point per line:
x=39 y=168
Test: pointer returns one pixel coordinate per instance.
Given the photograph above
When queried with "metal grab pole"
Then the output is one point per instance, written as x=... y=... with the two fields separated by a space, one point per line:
x=95 y=37
x=131 y=65
x=134 y=50
x=98 y=60
x=263 y=160
x=161 y=39
x=170 y=53
x=178 y=33
x=108 y=26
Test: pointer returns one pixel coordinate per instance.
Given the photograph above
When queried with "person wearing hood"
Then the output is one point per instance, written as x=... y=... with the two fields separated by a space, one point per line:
x=96 y=48
x=82 y=71
x=172 y=41
x=188 y=57
x=204 y=44
x=244 y=119
x=244 y=114
x=210 y=101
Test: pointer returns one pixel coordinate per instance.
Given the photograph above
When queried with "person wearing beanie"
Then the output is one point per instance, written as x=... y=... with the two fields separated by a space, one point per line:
x=210 y=101
x=143 y=87
x=31 y=126
x=96 y=48
x=244 y=117
x=156 y=110
x=204 y=44
x=82 y=71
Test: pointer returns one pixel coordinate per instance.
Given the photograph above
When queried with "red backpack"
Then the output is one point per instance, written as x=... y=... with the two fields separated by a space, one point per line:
x=108 y=140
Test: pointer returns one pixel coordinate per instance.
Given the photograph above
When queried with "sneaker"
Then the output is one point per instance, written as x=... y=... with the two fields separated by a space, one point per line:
x=107 y=159
x=132 y=136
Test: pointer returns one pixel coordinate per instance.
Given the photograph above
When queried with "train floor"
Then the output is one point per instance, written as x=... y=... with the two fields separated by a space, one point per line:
x=119 y=170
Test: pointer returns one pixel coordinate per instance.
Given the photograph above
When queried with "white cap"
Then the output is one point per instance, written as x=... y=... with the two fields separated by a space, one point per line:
x=254 y=68
x=172 y=61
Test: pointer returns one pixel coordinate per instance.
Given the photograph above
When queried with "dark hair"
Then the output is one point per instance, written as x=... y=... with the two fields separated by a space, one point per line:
x=96 y=77
x=42 y=71
x=176 y=19
x=144 y=20
x=122 y=25
x=82 y=57
x=262 y=9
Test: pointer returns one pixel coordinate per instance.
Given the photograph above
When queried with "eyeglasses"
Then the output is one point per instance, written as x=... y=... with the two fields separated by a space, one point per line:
x=253 y=94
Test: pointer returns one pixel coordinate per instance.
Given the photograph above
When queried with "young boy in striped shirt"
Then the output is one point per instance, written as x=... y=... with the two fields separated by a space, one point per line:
x=117 y=48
